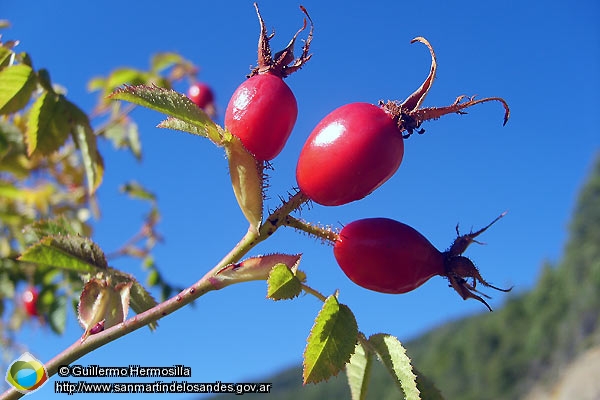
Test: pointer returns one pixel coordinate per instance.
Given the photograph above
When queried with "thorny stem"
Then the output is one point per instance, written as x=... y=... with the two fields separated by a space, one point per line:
x=186 y=296
x=325 y=233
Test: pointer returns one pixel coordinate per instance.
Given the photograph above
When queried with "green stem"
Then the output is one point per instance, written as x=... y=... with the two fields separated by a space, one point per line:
x=203 y=286
x=314 y=292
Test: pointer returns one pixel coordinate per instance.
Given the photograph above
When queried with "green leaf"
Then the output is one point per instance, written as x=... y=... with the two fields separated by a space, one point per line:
x=125 y=134
x=5 y=55
x=247 y=180
x=17 y=83
x=393 y=355
x=179 y=125
x=427 y=388
x=162 y=61
x=57 y=315
x=96 y=83
x=55 y=226
x=74 y=253
x=87 y=142
x=137 y=191
x=121 y=76
x=282 y=283
x=331 y=342
x=171 y=103
x=48 y=124
x=358 y=371
x=45 y=81
x=254 y=269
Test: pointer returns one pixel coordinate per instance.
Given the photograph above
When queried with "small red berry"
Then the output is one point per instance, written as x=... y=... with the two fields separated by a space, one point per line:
x=201 y=94
x=29 y=299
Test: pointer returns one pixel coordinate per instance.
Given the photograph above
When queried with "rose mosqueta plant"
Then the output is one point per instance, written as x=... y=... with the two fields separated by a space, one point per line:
x=351 y=152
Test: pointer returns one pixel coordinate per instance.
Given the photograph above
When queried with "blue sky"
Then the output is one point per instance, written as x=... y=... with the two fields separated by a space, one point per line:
x=542 y=56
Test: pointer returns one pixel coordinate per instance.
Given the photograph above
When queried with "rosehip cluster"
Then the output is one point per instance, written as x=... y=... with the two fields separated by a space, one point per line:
x=350 y=153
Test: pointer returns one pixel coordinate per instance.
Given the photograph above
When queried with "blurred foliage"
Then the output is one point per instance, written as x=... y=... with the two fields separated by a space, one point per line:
x=500 y=355
x=50 y=166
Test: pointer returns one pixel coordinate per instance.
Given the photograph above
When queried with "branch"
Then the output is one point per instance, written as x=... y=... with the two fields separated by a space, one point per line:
x=203 y=286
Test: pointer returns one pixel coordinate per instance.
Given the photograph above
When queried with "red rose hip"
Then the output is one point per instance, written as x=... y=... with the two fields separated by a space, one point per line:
x=263 y=110
x=30 y=299
x=349 y=154
x=201 y=94
x=386 y=256
x=262 y=113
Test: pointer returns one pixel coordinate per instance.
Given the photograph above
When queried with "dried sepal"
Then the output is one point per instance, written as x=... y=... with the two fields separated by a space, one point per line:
x=409 y=114
x=460 y=269
x=283 y=63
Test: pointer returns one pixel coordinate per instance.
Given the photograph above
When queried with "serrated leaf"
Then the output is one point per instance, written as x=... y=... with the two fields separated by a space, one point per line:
x=331 y=342
x=171 y=103
x=74 y=253
x=393 y=355
x=180 y=125
x=254 y=269
x=427 y=388
x=92 y=160
x=50 y=227
x=102 y=303
x=282 y=284
x=247 y=180
x=47 y=125
x=358 y=371
x=17 y=83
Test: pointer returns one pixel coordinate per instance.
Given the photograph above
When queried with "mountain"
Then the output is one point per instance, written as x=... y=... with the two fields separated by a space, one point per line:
x=522 y=349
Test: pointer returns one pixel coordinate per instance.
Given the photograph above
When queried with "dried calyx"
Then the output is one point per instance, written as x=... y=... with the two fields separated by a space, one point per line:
x=459 y=269
x=283 y=63
x=410 y=116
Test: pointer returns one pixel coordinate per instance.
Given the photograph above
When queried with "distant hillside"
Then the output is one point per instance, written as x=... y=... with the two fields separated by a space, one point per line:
x=502 y=355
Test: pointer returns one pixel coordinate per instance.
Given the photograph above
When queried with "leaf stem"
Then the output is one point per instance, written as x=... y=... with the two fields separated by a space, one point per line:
x=314 y=292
